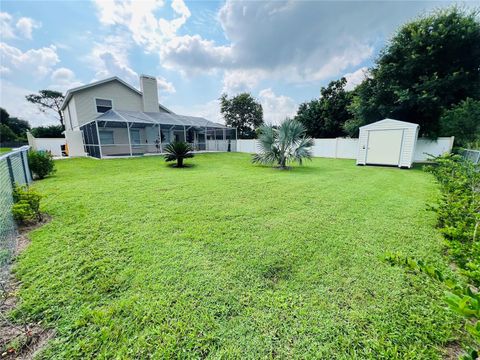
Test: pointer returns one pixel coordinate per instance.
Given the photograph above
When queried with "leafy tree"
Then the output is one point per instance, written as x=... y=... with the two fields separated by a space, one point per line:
x=242 y=112
x=6 y=134
x=324 y=117
x=463 y=122
x=52 y=131
x=283 y=144
x=48 y=100
x=430 y=65
x=17 y=126
x=178 y=151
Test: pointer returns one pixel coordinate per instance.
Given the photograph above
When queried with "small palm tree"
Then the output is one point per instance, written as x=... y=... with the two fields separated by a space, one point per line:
x=178 y=151
x=283 y=144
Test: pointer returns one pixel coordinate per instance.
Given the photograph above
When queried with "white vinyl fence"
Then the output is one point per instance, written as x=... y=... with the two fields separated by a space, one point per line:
x=345 y=148
x=52 y=145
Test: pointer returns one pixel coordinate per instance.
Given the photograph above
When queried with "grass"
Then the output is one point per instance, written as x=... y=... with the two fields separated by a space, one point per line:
x=5 y=150
x=230 y=260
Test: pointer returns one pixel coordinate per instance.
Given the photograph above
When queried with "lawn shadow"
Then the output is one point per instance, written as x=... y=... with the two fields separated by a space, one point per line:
x=185 y=166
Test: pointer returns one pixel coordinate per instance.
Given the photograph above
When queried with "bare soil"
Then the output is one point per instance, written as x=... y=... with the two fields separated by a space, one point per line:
x=20 y=341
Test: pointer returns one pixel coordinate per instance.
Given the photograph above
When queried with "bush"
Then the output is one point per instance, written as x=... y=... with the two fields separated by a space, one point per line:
x=464 y=300
x=41 y=163
x=26 y=207
x=178 y=151
x=52 y=131
x=462 y=121
x=458 y=210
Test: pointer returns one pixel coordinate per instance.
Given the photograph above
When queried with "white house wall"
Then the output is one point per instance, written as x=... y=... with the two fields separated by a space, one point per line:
x=122 y=98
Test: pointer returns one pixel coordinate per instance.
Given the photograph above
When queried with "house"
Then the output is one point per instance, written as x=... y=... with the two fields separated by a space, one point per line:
x=112 y=118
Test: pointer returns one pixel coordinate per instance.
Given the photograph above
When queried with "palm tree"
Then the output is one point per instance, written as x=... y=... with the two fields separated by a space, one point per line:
x=178 y=151
x=283 y=144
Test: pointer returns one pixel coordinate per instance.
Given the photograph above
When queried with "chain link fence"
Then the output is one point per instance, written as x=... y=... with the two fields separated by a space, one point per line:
x=13 y=170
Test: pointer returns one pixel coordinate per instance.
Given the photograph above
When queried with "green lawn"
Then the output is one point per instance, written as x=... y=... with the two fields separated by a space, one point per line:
x=230 y=260
x=5 y=150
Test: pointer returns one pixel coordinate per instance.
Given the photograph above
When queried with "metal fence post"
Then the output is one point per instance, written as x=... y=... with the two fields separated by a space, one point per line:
x=24 y=167
x=10 y=171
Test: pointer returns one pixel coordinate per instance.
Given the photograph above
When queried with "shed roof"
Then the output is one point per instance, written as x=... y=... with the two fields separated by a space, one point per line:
x=389 y=123
x=156 y=118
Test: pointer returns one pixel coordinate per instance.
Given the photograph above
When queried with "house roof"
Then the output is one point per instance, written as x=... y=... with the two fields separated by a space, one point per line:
x=70 y=92
x=387 y=123
x=156 y=118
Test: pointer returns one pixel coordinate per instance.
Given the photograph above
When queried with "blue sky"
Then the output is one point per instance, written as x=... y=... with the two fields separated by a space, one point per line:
x=281 y=52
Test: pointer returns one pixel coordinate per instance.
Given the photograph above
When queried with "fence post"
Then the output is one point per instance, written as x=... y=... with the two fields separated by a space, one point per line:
x=24 y=167
x=10 y=171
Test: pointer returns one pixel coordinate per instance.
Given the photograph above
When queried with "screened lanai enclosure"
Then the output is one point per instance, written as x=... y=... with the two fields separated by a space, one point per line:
x=130 y=133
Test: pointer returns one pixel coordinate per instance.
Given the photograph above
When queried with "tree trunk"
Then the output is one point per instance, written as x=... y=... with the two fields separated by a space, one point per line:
x=179 y=162
x=61 y=119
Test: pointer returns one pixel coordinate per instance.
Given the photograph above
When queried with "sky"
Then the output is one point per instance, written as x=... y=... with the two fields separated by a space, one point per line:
x=282 y=52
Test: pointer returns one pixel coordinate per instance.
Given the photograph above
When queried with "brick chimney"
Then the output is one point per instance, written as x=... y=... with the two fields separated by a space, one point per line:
x=148 y=86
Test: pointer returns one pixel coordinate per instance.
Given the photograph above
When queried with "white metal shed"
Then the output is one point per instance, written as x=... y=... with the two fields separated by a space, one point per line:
x=387 y=142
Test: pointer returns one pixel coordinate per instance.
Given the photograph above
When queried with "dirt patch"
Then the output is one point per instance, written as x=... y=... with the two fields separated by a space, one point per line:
x=453 y=351
x=19 y=341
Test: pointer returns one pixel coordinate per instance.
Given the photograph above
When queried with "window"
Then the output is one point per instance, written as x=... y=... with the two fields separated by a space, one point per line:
x=103 y=105
x=106 y=137
x=135 y=136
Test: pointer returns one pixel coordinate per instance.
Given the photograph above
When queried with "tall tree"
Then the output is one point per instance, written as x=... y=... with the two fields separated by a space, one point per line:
x=324 y=117
x=463 y=122
x=17 y=126
x=430 y=65
x=48 y=100
x=242 y=112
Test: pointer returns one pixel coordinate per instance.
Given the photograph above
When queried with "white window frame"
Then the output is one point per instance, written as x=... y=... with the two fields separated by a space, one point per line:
x=95 y=103
x=106 y=131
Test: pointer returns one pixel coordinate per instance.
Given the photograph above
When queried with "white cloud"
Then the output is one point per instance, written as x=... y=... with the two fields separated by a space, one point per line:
x=292 y=41
x=4 y=70
x=35 y=61
x=235 y=81
x=140 y=19
x=165 y=86
x=209 y=110
x=64 y=79
x=276 y=108
x=12 y=98
x=22 y=27
x=110 y=58
x=355 y=78
x=6 y=27
x=193 y=53
x=26 y=25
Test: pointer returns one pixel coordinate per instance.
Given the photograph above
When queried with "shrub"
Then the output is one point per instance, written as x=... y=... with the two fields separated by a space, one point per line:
x=41 y=163
x=462 y=121
x=464 y=300
x=26 y=207
x=178 y=151
x=283 y=144
x=458 y=210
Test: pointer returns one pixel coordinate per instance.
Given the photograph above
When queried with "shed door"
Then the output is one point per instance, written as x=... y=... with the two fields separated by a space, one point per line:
x=384 y=147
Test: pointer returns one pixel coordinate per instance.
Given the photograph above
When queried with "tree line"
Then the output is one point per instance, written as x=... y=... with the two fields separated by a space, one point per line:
x=13 y=129
x=428 y=73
